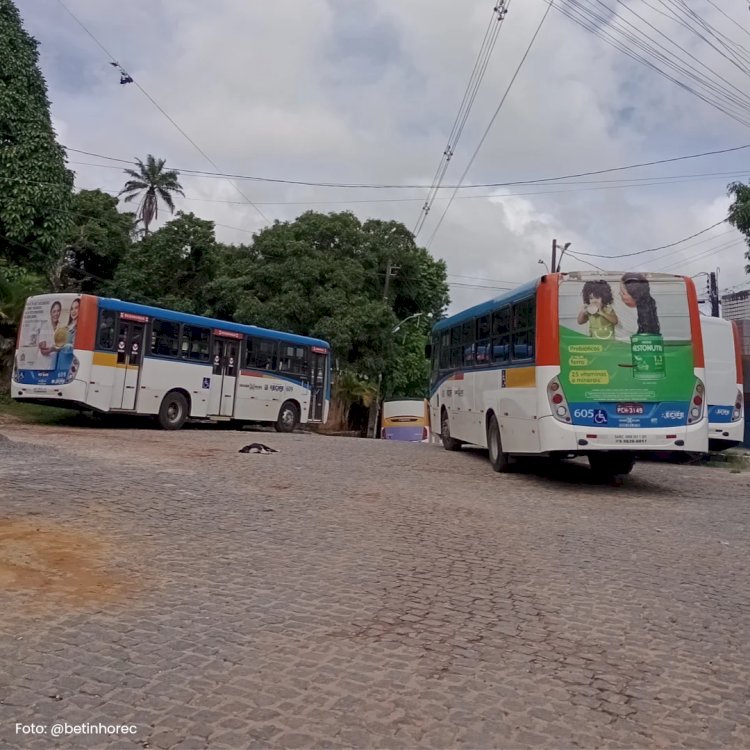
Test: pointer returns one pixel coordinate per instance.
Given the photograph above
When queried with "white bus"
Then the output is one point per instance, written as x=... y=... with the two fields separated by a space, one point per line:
x=111 y=356
x=721 y=343
x=602 y=365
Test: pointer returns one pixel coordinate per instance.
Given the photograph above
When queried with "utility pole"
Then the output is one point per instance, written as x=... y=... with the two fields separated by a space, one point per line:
x=372 y=420
x=553 y=267
x=713 y=293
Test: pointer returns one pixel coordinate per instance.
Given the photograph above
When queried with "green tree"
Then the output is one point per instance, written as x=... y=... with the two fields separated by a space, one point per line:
x=16 y=284
x=170 y=267
x=150 y=183
x=98 y=238
x=36 y=185
x=739 y=213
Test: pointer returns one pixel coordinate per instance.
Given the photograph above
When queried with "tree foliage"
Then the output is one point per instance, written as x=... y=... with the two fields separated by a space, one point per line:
x=739 y=213
x=150 y=183
x=98 y=239
x=170 y=267
x=323 y=275
x=36 y=187
x=16 y=284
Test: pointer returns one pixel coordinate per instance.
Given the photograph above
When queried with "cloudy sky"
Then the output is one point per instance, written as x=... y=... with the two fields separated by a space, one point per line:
x=366 y=92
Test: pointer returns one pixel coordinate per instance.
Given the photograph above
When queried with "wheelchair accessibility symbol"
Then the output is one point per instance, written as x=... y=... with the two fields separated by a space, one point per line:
x=600 y=416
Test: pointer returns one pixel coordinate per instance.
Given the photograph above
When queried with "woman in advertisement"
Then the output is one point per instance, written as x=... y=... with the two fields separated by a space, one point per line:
x=46 y=338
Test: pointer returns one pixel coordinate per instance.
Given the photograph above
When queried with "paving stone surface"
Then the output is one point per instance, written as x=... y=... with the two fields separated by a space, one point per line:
x=348 y=593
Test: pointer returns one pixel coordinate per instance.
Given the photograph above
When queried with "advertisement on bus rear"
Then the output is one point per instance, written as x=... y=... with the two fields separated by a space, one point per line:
x=44 y=355
x=626 y=353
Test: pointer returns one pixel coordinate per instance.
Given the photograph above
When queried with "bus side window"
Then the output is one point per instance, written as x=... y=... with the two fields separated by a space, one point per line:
x=292 y=358
x=483 y=340
x=523 y=330
x=444 y=361
x=456 y=352
x=261 y=354
x=165 y=338
x=106 y=333
x=501 y=335
x=195 y=343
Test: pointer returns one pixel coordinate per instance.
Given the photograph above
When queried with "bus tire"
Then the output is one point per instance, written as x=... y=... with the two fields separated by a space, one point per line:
x=173 y=411
x=449 y=443
x=611 y=464
x=288 y=417
x=498 y=458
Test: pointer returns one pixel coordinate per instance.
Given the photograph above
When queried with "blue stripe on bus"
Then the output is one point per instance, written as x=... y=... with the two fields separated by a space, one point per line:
x=522 y=292
x=116 y=305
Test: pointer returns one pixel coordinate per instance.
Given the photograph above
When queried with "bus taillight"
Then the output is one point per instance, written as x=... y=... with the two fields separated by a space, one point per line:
x=696 y=403
x=557 y=402
x=737 y=411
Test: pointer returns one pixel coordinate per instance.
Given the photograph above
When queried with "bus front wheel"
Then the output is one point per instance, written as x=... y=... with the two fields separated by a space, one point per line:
x=500 y=460
x=449 y=443
x=173 y=411
x=288 y=417
x=611 y=464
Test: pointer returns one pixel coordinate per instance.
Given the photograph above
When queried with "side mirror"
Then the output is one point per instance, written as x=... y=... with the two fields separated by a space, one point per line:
x=428 y=351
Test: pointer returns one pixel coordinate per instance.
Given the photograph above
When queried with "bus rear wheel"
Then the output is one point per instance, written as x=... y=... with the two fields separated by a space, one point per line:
x=498 y=458
x=288 y=417
x=449 y=443
x=611 y=464
x=173 y=411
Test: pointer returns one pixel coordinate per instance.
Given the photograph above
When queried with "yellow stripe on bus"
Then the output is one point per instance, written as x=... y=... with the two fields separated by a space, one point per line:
x=520 y=377
x=104 y=359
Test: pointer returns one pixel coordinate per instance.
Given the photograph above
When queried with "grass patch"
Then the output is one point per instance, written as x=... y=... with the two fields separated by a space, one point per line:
x=33 y=413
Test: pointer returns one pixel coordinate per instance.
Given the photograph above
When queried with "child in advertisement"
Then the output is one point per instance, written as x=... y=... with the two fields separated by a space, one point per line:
x=597 y=310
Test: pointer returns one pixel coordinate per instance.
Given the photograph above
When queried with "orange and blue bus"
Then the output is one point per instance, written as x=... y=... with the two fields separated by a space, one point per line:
x=109 y=356
x=603 y=365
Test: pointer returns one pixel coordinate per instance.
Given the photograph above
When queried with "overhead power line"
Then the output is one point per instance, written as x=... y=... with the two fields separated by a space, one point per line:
x=160 y=108
x=489 y=126
x=481 y=63
x=652 y=249
x=459 y=186
x=631 y=40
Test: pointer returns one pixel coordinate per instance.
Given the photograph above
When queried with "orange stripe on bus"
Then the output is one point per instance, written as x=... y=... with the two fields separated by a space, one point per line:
x=520 y=377
x=86 y=329
x=737 y=351
x=547 y=321
x=104 y=359
x=695 y=323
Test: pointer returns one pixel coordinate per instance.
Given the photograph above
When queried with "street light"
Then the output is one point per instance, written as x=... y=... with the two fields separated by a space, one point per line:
x=416 y=315
x=559 y=262
x=374 y=429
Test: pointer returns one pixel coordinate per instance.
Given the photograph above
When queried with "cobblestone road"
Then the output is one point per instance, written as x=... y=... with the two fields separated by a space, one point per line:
x=350 y=593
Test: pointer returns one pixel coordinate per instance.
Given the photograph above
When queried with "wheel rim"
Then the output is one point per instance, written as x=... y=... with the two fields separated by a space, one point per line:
x=287 y=417
x=174 y=411
x=444 y=428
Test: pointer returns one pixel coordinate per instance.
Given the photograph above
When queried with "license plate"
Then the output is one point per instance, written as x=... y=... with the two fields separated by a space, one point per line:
x=630 y=409
x=630 y=439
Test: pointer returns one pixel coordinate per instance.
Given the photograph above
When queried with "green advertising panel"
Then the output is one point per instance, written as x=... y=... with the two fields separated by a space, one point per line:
x=625 y=338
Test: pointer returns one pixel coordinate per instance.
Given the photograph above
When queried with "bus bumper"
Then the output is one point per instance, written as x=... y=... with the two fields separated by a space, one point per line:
x=74 y=392
x=556 y=436
x=726 y=434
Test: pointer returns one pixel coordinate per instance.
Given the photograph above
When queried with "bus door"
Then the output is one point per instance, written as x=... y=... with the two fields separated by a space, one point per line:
x=224 y=359
x=129 y=360
x=317 y=384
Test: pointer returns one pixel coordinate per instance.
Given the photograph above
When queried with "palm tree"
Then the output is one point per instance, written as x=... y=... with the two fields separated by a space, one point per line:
x=151 y=182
